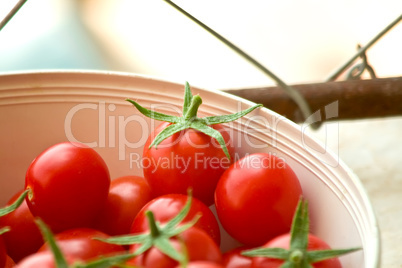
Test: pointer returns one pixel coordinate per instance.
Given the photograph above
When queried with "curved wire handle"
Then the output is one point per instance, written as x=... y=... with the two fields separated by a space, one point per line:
x=12 y=12
x=290 y=91
x=362 y=50
x=357 y=70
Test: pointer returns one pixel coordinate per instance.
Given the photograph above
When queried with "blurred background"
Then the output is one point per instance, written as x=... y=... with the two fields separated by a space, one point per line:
x=299 y=41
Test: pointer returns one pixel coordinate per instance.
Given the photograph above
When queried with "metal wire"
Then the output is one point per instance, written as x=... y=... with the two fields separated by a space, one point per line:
x=357 y=71
x=362 y=50
x=12 y=12
x=293 y=93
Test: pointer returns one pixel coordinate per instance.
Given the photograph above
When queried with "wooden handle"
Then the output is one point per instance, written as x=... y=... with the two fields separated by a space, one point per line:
x=357 y=99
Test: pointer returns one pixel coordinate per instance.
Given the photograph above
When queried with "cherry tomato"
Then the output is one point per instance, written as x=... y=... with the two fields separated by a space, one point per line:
x=80 y=244
x=202 y=264
x=256 y=197
x=166 y=207
x=127 y=195
x=234 y=259
x=9 y=262
x=187 y=159
x=199 y=246
x=283 y=241
x=69 y=185
x=24 y=237
x=41 y=259
x=3 y=252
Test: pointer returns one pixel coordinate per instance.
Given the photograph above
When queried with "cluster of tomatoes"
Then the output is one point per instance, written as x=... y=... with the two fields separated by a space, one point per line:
x=163 y=219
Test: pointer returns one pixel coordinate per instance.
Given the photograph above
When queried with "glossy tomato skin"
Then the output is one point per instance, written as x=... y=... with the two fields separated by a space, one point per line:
x=127 y=196
x=199 y=247
x=42 y=260
x=69 y=185
x=187 y=159
x=79 y=244
x=166 y=207
x=256 y=198
x=283 y=241
x=24 y=237
x=202 y=264
x=234 y=259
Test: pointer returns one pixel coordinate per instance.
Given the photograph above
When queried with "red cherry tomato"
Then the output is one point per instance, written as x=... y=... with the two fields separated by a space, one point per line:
x=202 y=264
x=80 y=244
x=283 y=241
x=24 y=237
x=166 y=207
x=127 y=195
x=234 y=259
x=69 y=185
x=41 y=259
x=187 y=159
x=256 y=197
x=199 y=246
x=9 y=262
x=3 y=252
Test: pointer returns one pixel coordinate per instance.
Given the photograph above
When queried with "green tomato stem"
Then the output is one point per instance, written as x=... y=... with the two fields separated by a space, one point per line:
x=4 y=230
x=189 y=120
x=158 y=237
x=155 y=232
x=296 y=256
x=192 y=110
x=16 y=204
x=48 y=236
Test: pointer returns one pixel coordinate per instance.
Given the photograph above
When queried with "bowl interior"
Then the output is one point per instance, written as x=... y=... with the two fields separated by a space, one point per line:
x=40 y=109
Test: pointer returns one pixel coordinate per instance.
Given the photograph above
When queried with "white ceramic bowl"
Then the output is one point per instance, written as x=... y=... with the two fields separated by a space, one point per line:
x=40 y=109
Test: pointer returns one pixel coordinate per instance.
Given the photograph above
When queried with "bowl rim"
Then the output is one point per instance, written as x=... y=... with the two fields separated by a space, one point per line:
x=370 y=213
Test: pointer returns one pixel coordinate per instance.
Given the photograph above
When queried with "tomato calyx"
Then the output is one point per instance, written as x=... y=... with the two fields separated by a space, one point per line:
x=4 y=230
x=158 y=235
x=298 y=256
x=61 y=261
x=8 y=209
x=48 y=236
x=189 y=119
